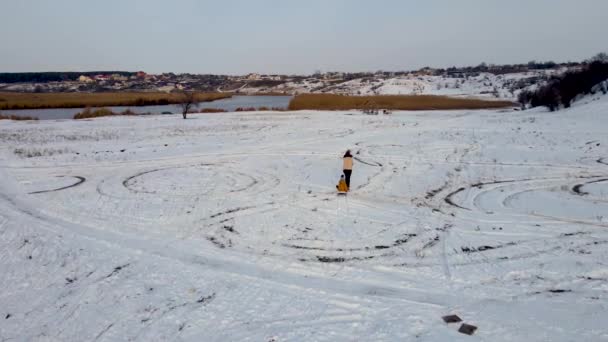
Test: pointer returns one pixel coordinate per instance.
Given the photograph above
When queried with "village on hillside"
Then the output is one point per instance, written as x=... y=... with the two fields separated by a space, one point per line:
x=490 y=81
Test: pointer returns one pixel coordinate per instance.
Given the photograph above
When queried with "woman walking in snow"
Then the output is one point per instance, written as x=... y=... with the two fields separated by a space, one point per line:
x=347 y=166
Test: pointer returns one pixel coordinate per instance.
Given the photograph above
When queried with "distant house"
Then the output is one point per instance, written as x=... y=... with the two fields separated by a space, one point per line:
x=85 y=79
x=118 y=77
x=166 y=88
x=253 y=77
x=101 y=77
x=140 y=74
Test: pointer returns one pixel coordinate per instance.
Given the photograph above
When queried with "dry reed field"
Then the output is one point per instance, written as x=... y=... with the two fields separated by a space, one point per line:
x=392 y=102
x=78 y=100
x=89 y=113
x=16 y=117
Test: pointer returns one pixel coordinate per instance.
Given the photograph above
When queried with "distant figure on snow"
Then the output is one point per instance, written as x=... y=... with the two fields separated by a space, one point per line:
x=347 y=166
x=342 y=187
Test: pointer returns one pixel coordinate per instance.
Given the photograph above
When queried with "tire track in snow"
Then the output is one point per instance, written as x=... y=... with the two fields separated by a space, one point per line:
x=450 y=200
x=227 y=264
x=79 y=181
x=578 y=189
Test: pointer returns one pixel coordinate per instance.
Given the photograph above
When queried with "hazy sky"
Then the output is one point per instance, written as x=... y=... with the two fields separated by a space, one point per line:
x=283 y=36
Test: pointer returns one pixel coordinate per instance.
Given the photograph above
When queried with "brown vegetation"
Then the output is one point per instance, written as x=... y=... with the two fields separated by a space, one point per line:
x=17 y=117
x=246 y=109
x=391 y=102
x=88 y=113
x=81 y=100
x=212 y=110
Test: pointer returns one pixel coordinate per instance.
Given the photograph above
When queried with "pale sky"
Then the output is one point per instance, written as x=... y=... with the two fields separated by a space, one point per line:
x=294 y=37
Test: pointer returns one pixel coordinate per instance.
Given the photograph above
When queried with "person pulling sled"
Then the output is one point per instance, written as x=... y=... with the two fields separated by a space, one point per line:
x=347 y=169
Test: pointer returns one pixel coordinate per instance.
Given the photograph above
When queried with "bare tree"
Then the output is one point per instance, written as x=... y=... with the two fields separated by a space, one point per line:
x=188 y=101
x=600 y=57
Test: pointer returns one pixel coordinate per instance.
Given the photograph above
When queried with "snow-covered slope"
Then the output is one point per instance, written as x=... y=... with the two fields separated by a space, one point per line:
x=482 y=85
x=227 y=227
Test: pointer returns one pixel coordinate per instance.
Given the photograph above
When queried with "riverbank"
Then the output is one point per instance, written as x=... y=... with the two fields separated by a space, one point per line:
x=12 y=101
x=391 y=102
x=232 y=104
x=16 y=117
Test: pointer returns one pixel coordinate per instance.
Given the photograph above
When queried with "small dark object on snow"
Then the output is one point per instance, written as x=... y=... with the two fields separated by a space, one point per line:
x=205 y=299
x=559 y=291
x=451 y=319
x=7 y=316
x=123 y=150
x=467 y=329
x=116 y=270
x=330 y=259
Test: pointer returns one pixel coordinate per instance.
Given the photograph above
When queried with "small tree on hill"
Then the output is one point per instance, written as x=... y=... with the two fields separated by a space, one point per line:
x=188 y=101
x=600 y=57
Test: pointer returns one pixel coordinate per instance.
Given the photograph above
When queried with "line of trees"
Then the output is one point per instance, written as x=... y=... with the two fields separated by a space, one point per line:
x=506 y=68
x=562 y=90
x=43 y=77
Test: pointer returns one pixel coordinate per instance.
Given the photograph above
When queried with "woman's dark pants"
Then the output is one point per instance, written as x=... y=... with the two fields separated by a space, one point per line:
x=347 y=176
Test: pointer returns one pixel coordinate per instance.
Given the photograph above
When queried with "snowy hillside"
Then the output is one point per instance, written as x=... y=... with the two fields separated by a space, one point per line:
x=485 y=85
x=227 y=227
x=482 y=85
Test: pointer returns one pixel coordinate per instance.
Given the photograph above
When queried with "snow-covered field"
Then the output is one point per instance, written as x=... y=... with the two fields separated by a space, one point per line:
x=227 y=227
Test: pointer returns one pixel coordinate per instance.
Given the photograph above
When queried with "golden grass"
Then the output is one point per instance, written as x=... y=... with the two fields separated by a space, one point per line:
x=391 y=102
x=81 y=100
x=88 y=113
x=245 y=109
x=212 y=110
x=17 y=117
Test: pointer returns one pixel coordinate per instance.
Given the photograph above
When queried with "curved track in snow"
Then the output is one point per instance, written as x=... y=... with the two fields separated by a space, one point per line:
x=228 y=227
x=79 y=180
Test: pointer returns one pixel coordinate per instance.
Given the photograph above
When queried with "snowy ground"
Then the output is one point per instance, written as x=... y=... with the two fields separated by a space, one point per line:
x=483 y=85
x=227 y=227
